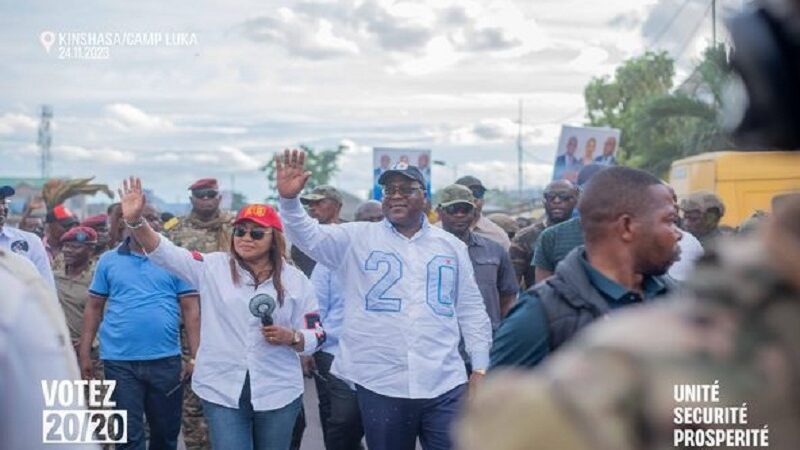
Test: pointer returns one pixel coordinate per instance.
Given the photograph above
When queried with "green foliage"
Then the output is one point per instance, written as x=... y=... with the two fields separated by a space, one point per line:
x=322 y=164
x=660 y=125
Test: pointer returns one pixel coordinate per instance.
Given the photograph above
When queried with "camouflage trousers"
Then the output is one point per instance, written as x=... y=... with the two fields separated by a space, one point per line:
x=194 y=425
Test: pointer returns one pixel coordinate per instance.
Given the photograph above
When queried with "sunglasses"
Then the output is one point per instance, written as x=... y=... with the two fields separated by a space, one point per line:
x=562 y=196
x=205 y=194
x=459 y=208
x=478 y=191
x=256 y=233
x=405 y=191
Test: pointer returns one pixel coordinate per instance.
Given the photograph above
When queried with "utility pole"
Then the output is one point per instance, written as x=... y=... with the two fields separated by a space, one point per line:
x=44 y=139
x=714 y=22
x=520 y=173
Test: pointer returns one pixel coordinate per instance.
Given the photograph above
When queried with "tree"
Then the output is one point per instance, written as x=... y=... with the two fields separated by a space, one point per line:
x=322 y=164
x=238 y=201
x=658 y=124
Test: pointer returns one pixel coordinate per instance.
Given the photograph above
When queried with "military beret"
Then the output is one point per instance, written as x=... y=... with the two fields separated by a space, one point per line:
x=95 y=221
x=81 y=234
x=204 y=183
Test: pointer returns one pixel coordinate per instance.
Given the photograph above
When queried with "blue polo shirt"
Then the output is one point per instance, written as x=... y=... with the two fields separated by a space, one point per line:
x=142 y=316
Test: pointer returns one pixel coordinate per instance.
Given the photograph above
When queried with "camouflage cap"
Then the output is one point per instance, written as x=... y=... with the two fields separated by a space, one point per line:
x=322 y=192
x=703 y=201
x=469 y=181
x=456 y=193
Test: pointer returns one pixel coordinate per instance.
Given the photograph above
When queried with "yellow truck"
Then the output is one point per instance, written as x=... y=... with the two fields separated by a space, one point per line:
x=746 y=181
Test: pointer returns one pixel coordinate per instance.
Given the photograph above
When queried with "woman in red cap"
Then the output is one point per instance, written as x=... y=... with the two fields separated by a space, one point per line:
x=259 y=313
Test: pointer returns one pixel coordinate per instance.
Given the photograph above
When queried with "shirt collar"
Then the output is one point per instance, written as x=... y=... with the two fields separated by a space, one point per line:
x=471 y=241
x=125 y=248
x=651 y=286
x=423 y=221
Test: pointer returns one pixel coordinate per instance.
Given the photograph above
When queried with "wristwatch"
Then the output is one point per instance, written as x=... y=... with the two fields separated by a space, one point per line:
x=296 y=337
x=479 y=371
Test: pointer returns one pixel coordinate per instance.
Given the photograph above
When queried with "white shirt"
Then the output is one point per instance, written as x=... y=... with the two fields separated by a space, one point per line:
x=231 y=343
x=30 y=246
x=691 y=251
x=34 y=346
x=407 y=303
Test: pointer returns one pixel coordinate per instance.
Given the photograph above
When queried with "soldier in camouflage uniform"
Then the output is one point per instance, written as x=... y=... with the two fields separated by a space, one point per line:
x=736 y=327
x=206 y=229
x=560 y=198
x=702 y=212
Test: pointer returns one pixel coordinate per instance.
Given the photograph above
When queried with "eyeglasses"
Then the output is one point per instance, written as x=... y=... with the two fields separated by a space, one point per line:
x=256 y=233
x=459 y=208
x=562 y=196
x=405 y=191
x=205 y=194
x=478 y=191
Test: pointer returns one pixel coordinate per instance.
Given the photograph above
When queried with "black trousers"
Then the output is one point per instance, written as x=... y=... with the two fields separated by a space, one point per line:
x=338 y=408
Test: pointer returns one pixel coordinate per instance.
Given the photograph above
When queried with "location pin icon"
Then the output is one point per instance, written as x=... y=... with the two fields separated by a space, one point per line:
x=47 y=38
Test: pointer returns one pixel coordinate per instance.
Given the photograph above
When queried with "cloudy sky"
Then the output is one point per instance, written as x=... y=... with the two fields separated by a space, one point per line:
x=252 y=77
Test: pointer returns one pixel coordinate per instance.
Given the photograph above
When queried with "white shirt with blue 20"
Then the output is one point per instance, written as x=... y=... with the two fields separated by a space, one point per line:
x=231 y=343
x=407 y=303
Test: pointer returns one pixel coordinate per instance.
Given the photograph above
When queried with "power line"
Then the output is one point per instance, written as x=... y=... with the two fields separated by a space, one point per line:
x=669 y=24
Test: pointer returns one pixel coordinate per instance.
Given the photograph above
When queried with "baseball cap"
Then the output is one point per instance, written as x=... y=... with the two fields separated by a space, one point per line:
x=84 y=235
x=6 y=191
x=456 y=193
x=204 y=183
x=261 y=214
x=322 y=192
x=703 y=201
x=469 y=180
x=406 y=170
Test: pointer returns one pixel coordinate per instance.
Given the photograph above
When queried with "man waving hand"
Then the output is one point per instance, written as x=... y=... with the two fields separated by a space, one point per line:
x=410 y=294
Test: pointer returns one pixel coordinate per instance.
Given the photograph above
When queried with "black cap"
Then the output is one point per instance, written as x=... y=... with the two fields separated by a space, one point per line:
x=406 y=170
x=6 y=191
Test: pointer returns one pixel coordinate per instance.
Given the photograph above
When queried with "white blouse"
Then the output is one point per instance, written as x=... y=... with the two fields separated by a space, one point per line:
x=231 y=343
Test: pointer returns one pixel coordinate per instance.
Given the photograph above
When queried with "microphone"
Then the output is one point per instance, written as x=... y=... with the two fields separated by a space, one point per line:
x=262 y=306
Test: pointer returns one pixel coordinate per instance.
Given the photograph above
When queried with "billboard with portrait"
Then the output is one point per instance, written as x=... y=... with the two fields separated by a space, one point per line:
x=383 y=158
x=581 y=146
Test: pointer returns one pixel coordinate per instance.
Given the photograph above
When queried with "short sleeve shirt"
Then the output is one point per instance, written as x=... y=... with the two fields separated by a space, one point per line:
x=142 y=315
x=493 y=273
x=554 y=243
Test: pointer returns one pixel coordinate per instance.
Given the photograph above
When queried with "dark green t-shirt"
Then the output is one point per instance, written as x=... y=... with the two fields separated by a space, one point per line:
x=554 y=243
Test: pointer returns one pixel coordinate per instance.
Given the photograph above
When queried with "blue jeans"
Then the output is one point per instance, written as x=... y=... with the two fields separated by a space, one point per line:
x=142 y=388
x=243 y=428
x=392 y=423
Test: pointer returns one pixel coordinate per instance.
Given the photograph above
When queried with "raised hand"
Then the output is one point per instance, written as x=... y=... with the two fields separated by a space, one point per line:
x=290 y=174
x=131 y=199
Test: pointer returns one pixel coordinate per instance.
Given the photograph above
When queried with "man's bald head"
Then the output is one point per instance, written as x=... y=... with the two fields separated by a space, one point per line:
x=370 y=211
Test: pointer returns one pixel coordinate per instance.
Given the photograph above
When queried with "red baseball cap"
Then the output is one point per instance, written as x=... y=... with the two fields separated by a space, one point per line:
x=261 y=214
x=95 y=221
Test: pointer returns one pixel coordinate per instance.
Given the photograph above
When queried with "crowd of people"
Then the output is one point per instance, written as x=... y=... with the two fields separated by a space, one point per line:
x=208 y=322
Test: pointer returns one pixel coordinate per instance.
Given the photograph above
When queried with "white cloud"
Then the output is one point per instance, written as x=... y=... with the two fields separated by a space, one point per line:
x=127 y=117
x=98 y=155
x=11 y=123
x=301 y=35
x=498 y=130
x=503 y=174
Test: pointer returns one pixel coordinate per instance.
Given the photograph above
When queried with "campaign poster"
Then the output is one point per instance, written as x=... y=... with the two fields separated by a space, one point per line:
x=581 y=146
x=384 y=158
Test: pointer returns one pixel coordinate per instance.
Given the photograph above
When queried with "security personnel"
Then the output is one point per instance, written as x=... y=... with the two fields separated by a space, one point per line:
x=205 y=229
x=702 y=212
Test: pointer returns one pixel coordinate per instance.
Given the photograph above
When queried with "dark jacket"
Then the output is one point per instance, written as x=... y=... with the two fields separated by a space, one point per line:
x=570 y=301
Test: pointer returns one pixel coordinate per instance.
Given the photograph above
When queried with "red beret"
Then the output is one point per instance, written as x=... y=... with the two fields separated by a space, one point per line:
x=95 y=221
x=204 y=183
x=261 y=214
x=84 y=235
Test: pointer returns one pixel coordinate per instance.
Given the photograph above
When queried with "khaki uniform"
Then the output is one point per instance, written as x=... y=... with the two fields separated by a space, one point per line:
x=193 y=234
x=521 y=251
x=614 y=386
